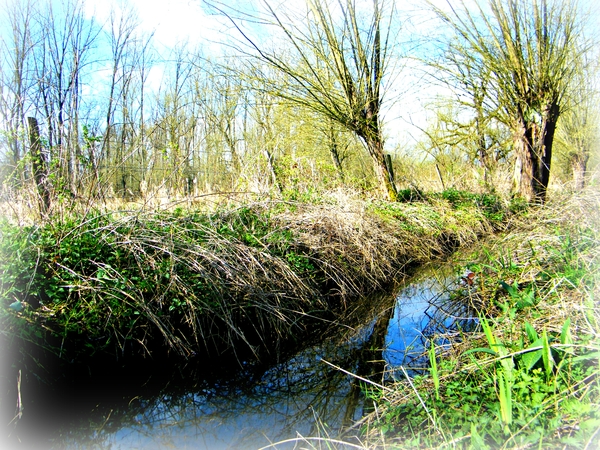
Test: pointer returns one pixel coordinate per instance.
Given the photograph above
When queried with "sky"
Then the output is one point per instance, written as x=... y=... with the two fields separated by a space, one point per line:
x=171 y=21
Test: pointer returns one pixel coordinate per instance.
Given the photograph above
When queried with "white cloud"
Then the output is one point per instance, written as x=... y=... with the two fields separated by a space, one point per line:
x=174 y=20
x=171 y=21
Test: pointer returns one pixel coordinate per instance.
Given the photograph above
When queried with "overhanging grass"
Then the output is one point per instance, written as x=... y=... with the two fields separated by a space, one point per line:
x=245 y=278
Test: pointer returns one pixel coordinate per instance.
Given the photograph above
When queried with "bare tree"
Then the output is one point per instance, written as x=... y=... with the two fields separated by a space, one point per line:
x=16 y=81
x=335 y=65
x=122 y=39
x=221 y=97
x=61 y=55
x=532 y=52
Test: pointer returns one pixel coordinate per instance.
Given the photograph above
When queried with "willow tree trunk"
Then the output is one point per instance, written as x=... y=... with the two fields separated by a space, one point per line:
x=386 y=181
x=534 y=155
x=524 y=182
x=40 y=166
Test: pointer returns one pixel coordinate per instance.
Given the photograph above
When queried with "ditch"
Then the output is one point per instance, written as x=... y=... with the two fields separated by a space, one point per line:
x=197 y=405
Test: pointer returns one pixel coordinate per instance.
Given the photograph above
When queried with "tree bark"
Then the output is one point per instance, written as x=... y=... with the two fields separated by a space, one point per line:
x=525 y=161
x=534 y=155
x=335 y=153
x=579 y=168
x=375 y=148
x=40 y=166
x=544 y=153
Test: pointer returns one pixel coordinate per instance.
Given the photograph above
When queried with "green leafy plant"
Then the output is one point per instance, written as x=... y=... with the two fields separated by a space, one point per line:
x=503 y=371
x=433 y=369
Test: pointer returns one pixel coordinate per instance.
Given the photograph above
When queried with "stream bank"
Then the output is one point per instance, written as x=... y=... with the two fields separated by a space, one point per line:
x=529 y=375
x=247 y=279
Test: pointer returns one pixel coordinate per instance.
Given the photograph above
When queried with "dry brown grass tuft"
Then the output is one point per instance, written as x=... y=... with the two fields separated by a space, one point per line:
x=258 y=273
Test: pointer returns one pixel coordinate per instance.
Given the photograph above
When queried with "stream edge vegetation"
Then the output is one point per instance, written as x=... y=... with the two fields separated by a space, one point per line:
x=246 y=279
x=528 y=376
x=233 y=280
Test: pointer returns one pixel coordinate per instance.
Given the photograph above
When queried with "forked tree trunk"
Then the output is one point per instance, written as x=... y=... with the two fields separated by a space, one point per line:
x=533 y=146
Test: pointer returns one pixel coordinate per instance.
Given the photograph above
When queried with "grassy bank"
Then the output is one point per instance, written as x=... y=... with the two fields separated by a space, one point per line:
x=528 y=378
x=233 y=281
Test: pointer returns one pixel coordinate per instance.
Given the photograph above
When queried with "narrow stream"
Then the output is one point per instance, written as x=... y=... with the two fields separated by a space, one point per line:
x=177 y=407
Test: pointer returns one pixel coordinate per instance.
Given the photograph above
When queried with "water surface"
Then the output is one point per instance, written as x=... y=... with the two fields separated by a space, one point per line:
x=179 y=407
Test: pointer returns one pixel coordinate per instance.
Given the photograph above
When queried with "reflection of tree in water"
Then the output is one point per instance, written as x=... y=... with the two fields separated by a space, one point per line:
x=178 y=406
x=427 y=309
x=256 y=406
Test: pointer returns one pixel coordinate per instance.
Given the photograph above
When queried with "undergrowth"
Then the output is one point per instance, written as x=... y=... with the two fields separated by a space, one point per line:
x=240 y=280
x=529 y=377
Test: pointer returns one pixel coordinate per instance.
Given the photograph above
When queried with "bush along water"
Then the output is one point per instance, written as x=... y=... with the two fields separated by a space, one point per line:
x=238 y=281
x=529 y=378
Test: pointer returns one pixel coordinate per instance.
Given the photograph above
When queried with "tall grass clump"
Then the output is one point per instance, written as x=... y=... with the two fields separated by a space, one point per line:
x=242 y=280
x=529 y=377
x=129 y=282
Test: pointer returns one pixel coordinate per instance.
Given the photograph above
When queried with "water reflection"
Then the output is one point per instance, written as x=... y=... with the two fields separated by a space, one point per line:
x=425 y=309
x=178 y=407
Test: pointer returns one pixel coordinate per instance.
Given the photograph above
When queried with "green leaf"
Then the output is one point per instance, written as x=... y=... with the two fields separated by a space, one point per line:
x=481 y=349
x=587 y=357
x=531 y=357
x=488 y=332
x=526 y=299
x=505 y=398
x=547 y=355
x=531 y=333
x=477 y=442
x=590 y=424
x=565 y=334
x=513 y=290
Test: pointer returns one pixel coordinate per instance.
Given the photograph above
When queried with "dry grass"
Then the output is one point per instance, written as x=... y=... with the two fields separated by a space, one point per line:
x=259 y=274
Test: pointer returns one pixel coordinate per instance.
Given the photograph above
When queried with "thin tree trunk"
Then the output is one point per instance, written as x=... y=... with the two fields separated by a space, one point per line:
x=271 y=162
x=40 y=167
x=335 y=153
x=579 y=168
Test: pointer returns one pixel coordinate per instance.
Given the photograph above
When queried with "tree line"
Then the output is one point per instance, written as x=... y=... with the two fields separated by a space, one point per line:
x=85 y=115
